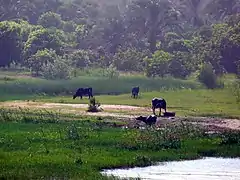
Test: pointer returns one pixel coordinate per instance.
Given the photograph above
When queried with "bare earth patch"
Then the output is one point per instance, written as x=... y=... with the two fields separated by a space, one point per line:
x=125 y=113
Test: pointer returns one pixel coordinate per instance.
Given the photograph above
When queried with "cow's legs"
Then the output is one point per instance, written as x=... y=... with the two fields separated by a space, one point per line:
x=81 y=97
x=160 y=112
x=153 y=110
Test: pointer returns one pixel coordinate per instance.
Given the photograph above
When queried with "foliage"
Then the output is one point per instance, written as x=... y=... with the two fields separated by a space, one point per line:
x=37 y=148
x=50 y=20
x=94 y=106
x=80 y=58
x=101 y=33
x=111 y=72
x=236 y=90
x=129 y=60
x=41 y=39
x=59 y=69
x=157 y=65
x=230 y=137
x=208 y=77
x=37 y=62
x=10 y=42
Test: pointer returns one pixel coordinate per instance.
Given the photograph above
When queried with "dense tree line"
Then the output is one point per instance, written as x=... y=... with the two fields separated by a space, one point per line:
x=159 y=37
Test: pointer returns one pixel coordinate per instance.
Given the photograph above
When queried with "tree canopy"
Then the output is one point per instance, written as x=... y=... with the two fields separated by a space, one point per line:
x=158 y=37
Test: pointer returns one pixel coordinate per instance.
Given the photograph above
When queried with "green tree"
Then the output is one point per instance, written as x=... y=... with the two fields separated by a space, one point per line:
x=40 y=39
x=158 y=64
x=11 y=42
x=59 y=69
x=129 y=60
x=151 y=18
x=207 y=76
x=80 y=58
x=50 y=19
x=40 y=59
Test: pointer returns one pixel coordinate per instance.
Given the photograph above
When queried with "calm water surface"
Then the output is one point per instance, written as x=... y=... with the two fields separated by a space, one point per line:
x=201 y=169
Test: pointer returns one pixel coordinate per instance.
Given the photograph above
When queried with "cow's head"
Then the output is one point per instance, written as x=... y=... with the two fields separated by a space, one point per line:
x=74 y=96
x=141 y=118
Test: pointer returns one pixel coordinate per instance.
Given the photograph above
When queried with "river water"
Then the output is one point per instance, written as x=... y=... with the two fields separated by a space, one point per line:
x=201 y=169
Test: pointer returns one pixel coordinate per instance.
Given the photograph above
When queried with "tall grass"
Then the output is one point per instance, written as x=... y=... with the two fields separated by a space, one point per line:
x=100 y=85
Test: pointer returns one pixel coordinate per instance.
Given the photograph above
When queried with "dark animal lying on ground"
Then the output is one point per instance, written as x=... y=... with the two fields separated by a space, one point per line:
x=83 y=92
x=159 y=103
x=135 y=91
x=149 y=120
x=169 y=114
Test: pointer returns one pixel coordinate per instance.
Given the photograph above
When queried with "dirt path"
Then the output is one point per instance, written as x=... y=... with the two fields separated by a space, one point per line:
x=123 y=112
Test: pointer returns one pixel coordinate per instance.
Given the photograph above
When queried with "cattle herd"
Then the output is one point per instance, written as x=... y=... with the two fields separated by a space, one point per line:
x=157 y=103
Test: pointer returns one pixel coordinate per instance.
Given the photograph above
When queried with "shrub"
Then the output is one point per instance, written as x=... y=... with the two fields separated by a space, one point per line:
x=80 y=58
x=40 y=59
x=111 y=72
x=93 y=105
x=236 y=90
x=230 y=138
x=129 y=60
x=59 y=69
x=177 y=69
x=157 y=65
x=208 y=77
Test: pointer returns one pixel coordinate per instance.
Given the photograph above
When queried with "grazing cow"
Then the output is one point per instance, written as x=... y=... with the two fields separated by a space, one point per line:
x=159 y=103
x=149 y=120
x=83 y=91
x=135 y=91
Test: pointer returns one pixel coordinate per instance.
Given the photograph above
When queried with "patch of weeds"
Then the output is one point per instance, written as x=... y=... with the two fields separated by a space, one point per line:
x=230 y=138
x=170 y=137
x=141 y=160
x=94 y=106
x=72 y=133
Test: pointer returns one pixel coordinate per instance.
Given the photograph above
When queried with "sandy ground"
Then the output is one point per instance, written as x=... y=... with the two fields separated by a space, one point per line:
x=125 y=113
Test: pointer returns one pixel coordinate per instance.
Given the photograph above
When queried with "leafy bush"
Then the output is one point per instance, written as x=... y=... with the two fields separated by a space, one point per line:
x=157 y=65
x=129 y=60
x=208 y=77
x=230 y=138
x=177 y=69
x=82 y=58
x=111 y=72
x=59 y=69
x=40 y=59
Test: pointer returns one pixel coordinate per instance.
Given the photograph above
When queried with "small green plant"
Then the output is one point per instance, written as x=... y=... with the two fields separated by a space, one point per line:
x=93 y=106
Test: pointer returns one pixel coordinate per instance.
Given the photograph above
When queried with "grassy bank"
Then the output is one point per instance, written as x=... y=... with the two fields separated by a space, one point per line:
x=100 y=85
x=47 y=147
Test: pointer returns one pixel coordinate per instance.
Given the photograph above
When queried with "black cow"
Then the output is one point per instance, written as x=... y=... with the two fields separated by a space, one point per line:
x=149 y=120
x=159 y=103
x=135 y=91
x=83 y=91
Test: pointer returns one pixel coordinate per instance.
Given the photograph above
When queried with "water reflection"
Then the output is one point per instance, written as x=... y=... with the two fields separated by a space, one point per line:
x=201 y=169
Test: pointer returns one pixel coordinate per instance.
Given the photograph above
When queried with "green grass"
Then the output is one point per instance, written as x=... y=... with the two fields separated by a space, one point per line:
x=100 y=85
x=31 y=149
x=215 y=103
x=185 y=97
